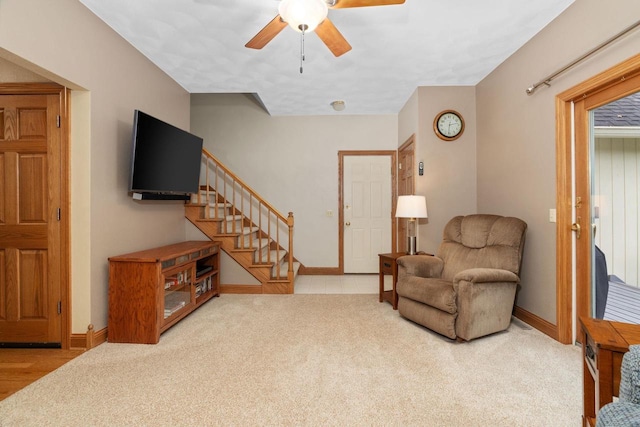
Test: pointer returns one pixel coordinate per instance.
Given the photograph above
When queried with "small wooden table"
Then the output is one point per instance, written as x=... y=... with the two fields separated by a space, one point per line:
x=603 y=345
x=388 y=265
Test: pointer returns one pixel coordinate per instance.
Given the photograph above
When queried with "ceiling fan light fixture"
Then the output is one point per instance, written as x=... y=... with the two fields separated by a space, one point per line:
x=303 y=14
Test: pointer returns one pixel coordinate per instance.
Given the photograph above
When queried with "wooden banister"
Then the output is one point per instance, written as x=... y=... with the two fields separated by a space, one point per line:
x=220 y=186
x=210 y=156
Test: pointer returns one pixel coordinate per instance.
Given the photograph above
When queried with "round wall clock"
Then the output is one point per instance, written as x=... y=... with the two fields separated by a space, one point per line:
x=448 y=125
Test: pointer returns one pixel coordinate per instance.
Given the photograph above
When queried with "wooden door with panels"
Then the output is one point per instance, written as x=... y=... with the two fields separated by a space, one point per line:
x=32 y=249
x=406 y=185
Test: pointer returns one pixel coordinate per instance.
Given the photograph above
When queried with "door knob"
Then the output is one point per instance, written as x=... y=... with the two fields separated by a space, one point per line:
x=347 y=223
x=576 y=227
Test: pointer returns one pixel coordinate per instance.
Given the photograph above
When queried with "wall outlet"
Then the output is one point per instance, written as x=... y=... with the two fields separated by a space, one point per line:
x=552 y=215
x=329 y=213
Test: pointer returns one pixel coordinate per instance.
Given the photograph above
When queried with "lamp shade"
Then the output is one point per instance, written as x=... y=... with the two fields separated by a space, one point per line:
x=411 y=207
x=299 y=14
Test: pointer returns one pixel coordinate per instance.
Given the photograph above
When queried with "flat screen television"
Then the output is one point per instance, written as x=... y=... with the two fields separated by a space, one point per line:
x=166 y=160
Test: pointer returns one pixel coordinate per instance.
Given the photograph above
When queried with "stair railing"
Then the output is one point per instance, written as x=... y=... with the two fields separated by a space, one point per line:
x=221 y=188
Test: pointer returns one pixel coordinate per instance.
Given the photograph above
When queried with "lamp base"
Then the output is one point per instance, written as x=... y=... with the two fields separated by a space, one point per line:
x=411 y=245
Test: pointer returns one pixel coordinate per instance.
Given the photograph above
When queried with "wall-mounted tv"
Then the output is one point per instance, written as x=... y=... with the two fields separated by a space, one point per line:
x=166 y=160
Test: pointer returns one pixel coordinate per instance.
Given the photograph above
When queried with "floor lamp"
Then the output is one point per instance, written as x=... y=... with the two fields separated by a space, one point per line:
x=411 y=207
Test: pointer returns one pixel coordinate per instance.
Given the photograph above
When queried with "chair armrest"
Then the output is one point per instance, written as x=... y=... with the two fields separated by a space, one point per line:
x=485 y=299
x=419 y=265
x=485 y=275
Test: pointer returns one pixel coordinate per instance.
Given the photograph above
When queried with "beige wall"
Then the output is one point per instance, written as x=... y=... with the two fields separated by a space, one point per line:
x=12 y=73
x=408 y=119
x=292 y=161
x=64 y=42
x=516 y=132
x=449 y=180
x=81 y=209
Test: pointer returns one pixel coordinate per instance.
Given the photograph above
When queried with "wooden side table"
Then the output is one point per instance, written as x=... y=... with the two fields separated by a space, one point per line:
x=603 y=345
x=388 y=265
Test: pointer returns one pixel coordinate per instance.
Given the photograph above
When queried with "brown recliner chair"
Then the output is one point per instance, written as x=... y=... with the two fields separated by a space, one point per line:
x=468 y=289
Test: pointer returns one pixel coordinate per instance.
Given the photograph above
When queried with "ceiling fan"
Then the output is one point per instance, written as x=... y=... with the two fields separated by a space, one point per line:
x=309 y=15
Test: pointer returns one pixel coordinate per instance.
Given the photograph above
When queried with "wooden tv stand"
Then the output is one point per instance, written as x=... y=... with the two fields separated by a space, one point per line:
x=152 y=290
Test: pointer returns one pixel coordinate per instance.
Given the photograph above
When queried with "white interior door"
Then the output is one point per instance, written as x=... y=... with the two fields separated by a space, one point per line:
x=367 y=212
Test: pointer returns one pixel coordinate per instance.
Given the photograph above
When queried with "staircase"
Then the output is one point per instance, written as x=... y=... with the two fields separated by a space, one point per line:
x=249 y=229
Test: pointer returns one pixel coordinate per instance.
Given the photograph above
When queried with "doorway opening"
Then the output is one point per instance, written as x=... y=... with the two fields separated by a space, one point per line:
x=615 y=219
x=574 y=211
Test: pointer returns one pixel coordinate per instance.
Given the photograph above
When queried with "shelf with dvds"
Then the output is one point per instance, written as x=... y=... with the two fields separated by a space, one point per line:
x=207 y=283
x=152 y=290
x=177 y=290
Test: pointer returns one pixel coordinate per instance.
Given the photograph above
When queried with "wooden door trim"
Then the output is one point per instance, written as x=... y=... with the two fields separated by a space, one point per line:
x=341 y=156
x=582 y=152
x=408 y=142
x=65 y=223
x=590 y=88
x=33 y=89
x=65 y=218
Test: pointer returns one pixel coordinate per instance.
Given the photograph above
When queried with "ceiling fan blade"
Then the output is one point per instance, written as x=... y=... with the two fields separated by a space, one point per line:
x=334 y=40
x=267 y=34
x=343 y=4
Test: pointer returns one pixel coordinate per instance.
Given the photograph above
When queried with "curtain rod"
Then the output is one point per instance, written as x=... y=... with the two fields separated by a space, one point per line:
x=547 y=80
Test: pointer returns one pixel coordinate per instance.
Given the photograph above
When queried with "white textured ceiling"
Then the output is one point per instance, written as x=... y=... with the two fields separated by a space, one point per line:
x=200 y=44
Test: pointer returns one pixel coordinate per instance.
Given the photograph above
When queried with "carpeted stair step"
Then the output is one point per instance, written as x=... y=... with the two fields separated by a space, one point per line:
x=269 y=256
x=253 y=243
x=203 y=196
x=262 y=256
x=284 y=269
x=247 y=234
x=246 y=231
x=219 y=210
x=228 y=226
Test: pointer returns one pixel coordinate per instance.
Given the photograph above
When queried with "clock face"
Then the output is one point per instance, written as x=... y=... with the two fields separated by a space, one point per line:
x=448 y=125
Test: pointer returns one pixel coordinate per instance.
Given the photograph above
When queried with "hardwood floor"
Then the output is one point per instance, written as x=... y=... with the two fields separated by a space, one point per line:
x=21 y=367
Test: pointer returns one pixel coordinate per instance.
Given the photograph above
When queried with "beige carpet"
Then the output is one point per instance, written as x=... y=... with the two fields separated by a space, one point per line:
x=318 y=360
